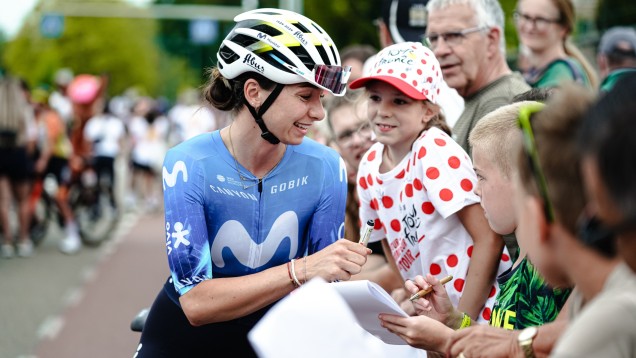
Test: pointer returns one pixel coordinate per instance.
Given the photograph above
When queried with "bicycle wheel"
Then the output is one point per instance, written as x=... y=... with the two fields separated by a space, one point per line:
x=41 y=219
x=94 y=215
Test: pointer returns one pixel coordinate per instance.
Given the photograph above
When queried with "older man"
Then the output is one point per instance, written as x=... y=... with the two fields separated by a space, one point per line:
x=616 y=55
x=468 y=40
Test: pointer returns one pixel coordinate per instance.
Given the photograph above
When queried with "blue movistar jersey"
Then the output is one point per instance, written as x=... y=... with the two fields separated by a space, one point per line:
x=221 y=225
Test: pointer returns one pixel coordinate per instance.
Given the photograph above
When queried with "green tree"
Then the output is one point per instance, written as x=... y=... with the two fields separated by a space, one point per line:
x=615 y=13
x=124 y=49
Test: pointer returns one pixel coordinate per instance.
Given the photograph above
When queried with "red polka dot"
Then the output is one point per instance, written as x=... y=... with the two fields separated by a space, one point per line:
x=390 y=71
x=459 y=284
x=421 y=153
x=417 y=184
x=419 y=71
x=428 y=208
x=377 y=225
x=452 y=260
x=363 y=183
x=440 y=142
x=467 y=185
x=414 y=83
x=486 y=313
x=493 y=292
x=424 y=61
x=379 y=181
x=435 y=269
x=395 y=225
x=371 y=156
x=408 y=190
x=432 y=173
x=403 y=75
x=370 y=179
x=374 y=204
x=505 y=258
x=453 y=162
x=469 y=252
x=387 y=202
x=429 y=79
x=446 y=194
x=401 y=196
x=400 y=175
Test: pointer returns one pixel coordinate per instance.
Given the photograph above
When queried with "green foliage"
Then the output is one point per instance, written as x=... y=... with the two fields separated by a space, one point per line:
x=615 y=13
x=347 y=21
x=124 y=49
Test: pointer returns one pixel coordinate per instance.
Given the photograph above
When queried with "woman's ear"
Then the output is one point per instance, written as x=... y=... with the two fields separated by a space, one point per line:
x=252 y=92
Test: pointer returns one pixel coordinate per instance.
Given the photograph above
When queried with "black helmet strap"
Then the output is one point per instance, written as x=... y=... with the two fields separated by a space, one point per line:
x=258 y=116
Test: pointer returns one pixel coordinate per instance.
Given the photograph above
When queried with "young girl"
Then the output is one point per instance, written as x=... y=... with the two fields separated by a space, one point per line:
x=417 y=183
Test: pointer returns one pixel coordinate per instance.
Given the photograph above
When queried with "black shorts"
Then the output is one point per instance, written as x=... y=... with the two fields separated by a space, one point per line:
x=15 y=163
x=60 y=169
x=168 y=333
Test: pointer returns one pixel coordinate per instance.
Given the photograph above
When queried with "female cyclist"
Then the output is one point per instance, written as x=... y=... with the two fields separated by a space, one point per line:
x=255 y=209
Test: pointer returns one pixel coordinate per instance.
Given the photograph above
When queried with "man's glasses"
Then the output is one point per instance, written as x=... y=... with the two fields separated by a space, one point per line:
x=346 y=137
x=530 y=148
x=540 y=23
x=451 y=38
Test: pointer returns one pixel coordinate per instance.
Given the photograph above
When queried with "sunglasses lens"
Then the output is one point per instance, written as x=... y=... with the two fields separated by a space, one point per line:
x=333 y=78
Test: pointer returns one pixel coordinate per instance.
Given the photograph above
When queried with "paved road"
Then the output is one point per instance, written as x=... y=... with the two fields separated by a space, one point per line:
x=58 y=306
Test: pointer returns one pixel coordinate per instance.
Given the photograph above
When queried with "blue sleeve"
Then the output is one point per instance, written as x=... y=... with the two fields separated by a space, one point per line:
x=327 y=224
x=187 y=244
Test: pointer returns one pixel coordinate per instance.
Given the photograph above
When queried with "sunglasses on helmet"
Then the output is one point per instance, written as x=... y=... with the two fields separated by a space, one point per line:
x=331 y=78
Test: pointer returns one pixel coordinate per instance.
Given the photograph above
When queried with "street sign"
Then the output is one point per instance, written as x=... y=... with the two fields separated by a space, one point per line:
x=52 y=25
x=203 y=31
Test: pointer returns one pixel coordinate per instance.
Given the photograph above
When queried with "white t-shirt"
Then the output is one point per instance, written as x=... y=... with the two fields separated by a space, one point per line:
x=414 y=207
x=105 y=131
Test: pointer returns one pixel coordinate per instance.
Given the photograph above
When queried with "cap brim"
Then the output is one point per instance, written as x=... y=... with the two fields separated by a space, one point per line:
x=395 y=82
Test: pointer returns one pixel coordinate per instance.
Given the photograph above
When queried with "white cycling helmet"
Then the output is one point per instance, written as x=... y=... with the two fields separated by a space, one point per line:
x=285 y=47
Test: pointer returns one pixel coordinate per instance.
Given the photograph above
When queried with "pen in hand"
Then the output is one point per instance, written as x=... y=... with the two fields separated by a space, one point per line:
x=425 y=292
x=364 y=239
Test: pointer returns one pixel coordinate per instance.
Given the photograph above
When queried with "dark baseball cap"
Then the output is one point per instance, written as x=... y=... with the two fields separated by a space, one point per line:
x=618 y=40
x=405 y=19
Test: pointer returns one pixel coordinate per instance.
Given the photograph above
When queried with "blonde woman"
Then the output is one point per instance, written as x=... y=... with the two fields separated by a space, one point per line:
x=544 y=28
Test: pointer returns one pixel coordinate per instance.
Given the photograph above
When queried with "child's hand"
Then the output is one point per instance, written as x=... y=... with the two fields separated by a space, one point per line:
x=436 y=304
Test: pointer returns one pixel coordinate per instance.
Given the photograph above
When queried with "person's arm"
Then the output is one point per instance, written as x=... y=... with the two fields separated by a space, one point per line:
x=494 y=342
x=223 y=299
x=484 y=262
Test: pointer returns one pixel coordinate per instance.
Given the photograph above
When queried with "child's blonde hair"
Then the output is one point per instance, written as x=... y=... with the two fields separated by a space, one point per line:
x=496 y=134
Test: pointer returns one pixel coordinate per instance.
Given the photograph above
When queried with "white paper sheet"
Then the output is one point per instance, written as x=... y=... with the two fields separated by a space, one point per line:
x=315 y=321
x=367 y=300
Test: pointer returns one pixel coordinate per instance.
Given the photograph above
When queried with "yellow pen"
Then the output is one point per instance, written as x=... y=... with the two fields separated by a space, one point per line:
x=425 y=292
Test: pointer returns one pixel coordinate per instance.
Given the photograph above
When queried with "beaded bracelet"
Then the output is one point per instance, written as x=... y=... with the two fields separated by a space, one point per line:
x=293 y=272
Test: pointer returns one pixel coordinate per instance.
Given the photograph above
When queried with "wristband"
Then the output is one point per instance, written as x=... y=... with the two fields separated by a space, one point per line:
x=465 y=321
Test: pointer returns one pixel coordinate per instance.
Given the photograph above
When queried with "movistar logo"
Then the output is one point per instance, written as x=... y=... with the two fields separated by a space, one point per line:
x=233 y=237
x=170 y=178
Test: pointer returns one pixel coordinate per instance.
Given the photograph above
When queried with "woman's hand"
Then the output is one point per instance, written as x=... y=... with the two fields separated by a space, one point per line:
x=336 y=262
